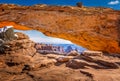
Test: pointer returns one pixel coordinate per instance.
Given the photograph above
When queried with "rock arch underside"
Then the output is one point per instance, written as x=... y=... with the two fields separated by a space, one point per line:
x=92 y=28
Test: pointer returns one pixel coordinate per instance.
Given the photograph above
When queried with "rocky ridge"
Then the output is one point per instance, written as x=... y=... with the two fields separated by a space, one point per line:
x=21 y=62
x=92 y=28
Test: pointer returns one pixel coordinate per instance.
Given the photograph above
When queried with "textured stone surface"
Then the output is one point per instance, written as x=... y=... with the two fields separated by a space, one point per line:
x=20 y=62
x=7 y=34
x=92 y=28
x=64 y=58
x=18 y=54
x=96 y=62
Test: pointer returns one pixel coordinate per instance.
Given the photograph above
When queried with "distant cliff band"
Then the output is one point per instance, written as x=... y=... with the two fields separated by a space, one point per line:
x=44 y=48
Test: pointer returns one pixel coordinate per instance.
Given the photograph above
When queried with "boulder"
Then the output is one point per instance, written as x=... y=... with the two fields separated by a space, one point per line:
x=7 y=33
x=73 y=53
x=81 y=64
x=21 y=36
x=64 y=59
x=92 y=53
x=53 y=56
x=95 y=62
x=41 y=61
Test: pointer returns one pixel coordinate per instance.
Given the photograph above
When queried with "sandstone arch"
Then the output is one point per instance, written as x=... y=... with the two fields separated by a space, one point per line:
x=88 y=27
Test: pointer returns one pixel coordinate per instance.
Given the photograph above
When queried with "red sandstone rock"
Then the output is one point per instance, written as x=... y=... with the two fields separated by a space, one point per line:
x=92 y=28
x=73 y=53
x=92 y=53
x=19 y=65
x=64 y=58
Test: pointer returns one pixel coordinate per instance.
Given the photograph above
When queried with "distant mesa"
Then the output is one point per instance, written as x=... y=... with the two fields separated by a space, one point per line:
x=55 y=49
x=49 y=48
x=69 y=49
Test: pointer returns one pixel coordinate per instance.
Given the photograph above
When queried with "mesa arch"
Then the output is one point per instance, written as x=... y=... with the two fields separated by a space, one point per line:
x=89 y=28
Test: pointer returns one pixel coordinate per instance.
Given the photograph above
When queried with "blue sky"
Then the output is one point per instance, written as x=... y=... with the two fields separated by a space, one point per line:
x=105 y=3
x=37 y=36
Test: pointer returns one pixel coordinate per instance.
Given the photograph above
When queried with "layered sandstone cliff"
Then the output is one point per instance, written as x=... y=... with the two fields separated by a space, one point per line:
x=92 y=28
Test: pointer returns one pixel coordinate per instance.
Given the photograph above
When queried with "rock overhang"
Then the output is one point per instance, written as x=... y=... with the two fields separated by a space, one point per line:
x=89 y=27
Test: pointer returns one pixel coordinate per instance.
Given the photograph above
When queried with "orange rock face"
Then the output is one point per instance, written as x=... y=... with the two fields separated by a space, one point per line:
x=92 y=28
x=16 y=26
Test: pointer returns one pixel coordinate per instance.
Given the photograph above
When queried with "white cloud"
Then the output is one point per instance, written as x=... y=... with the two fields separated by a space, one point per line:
x=114 y=2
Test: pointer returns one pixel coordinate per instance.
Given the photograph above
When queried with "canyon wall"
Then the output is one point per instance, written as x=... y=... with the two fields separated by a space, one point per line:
x=92 y=28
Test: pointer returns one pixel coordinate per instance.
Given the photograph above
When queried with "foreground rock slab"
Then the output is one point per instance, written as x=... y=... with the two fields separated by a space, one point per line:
x=21 y=62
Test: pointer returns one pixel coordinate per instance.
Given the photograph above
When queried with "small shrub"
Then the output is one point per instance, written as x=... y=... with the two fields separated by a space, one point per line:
x=79 y=4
